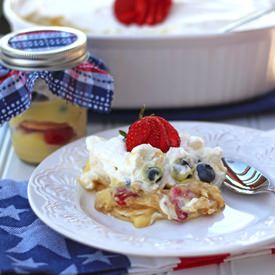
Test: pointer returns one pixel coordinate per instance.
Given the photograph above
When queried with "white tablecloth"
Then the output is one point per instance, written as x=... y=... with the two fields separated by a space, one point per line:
x=12 y=167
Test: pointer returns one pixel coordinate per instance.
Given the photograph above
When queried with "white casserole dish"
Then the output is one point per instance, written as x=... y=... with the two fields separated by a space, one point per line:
x=183 y=70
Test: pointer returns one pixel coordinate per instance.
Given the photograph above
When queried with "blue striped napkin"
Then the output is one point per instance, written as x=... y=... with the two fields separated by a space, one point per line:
x=29 y=246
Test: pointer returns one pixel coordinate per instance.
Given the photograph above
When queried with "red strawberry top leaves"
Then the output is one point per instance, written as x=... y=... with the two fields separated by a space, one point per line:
x=153 y=130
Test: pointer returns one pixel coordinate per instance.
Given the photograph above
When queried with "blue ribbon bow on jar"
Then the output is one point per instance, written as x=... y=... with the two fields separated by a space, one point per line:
x=58 y=56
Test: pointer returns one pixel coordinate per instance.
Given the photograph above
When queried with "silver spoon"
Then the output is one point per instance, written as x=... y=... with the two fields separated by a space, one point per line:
x=245 y=179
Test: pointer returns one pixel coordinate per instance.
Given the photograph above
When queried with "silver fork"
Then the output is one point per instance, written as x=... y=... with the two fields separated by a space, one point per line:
x=245 y=179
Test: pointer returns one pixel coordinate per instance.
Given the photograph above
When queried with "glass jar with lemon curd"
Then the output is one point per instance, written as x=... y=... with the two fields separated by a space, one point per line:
x=46 y=126
x=50 y=122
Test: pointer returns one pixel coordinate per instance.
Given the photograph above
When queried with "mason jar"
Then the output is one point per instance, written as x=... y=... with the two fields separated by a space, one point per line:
x=50 y=122
x=47 y=125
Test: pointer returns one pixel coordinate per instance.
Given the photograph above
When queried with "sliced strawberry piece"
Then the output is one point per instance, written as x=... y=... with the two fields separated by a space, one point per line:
x=181 y=215
x=125 y=11
x=122 y=194
x=177 y=193
x=141 y=7
x=177 y=196
x=138 y=133
x=152 y=130
x=163 y=11
x=153 y=5
x=158 y=136
x=31 y=125
x=172 y=133
x=154 y=137
x=141 y=12
x=169 y=4
x=159 y=14
x=54 y=133
x=59 y=136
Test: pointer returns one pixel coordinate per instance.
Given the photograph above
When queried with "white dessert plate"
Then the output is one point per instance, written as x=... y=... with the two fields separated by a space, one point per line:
x=246 y=222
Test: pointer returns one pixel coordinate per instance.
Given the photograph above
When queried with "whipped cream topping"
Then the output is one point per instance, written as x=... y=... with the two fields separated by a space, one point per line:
x=111 y=163
x=186 y=17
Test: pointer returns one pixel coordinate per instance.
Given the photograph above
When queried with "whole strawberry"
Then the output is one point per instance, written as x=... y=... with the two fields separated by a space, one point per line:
x=152 y=130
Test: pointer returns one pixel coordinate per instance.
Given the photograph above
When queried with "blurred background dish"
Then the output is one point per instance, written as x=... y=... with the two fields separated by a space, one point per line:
x=184 y=62
x=4 y=26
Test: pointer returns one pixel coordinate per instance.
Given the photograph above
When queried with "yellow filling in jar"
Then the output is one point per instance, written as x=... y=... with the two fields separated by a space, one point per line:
x=45 y=127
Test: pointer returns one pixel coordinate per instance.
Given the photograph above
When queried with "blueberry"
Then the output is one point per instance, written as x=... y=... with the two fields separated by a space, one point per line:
x=205 y=172
x=127 y=182
x=154 y=174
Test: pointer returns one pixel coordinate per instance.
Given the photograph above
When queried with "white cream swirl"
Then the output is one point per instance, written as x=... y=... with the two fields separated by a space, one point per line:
x=112 y=164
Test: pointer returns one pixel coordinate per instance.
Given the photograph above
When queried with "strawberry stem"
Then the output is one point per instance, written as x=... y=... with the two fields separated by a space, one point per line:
x=141 y=112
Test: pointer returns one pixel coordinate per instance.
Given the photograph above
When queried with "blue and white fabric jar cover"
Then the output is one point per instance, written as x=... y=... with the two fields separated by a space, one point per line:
x=59 y=56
